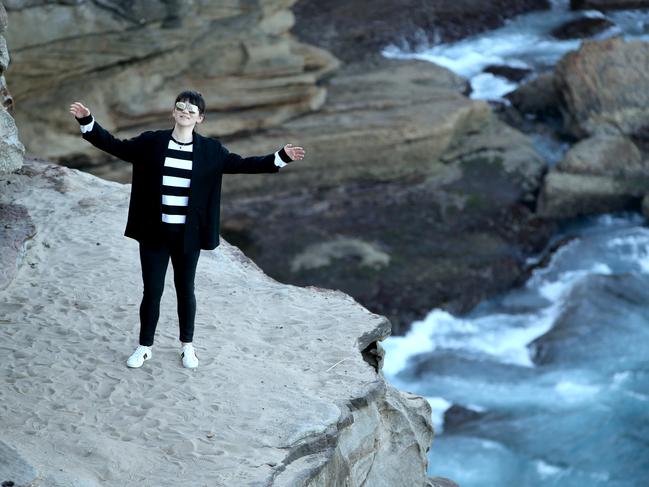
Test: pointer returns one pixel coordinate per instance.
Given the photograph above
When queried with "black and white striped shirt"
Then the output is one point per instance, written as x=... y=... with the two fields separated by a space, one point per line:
x=176 y=177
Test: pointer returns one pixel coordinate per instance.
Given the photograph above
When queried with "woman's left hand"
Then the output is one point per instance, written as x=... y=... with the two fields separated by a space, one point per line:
x=294 y=152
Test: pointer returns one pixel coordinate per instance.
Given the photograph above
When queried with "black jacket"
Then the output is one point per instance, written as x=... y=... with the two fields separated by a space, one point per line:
x=210 y=161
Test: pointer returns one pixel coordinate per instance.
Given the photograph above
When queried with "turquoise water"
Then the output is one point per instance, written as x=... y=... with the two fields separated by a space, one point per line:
x=556 y=372
x=554 y=376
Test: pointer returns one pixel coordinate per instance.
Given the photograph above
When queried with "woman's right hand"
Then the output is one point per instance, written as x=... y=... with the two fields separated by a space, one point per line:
x=79 y=110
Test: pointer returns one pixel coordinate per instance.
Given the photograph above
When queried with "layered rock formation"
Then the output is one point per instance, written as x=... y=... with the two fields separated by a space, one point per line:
x=289 y=392
x=128 y=60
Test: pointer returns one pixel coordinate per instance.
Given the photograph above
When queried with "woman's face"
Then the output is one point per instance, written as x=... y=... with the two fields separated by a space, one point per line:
x=186 y=114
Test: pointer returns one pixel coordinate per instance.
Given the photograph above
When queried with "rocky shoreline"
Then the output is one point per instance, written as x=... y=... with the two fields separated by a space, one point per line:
x=412 y=196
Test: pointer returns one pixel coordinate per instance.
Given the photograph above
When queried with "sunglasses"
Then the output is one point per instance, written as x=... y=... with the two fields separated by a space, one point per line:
x=181 y=105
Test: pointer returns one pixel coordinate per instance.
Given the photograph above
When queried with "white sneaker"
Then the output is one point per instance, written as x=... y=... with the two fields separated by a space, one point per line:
x=138 y=357
x=188 y=354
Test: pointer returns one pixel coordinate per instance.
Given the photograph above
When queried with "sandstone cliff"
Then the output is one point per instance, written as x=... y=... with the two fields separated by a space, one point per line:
x=289 y=391
x=128 y=59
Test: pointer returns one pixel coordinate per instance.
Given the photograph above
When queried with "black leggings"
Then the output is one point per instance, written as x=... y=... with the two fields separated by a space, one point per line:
x=154 y=261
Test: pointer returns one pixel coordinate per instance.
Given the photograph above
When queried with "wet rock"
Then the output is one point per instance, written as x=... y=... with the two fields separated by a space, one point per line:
x=645 y=206
x=581 y=334
x=582 y=27
x=538 y=97
x=508 y=72
x=457 y=415
x=608 y=4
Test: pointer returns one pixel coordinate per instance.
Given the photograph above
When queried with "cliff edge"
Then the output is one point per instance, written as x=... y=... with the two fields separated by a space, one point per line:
x=289 y=391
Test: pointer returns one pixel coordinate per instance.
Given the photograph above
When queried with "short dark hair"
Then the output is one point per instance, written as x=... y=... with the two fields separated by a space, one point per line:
x=193 y=97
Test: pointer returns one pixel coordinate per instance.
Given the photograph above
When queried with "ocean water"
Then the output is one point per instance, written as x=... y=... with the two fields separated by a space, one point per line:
x=548 y=383
x=554 y=376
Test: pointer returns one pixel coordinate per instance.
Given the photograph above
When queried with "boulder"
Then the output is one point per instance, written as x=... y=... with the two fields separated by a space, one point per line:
x=599 y=174
x=582 y=27
x=604 y=87
x=566 y=195
x=605 y=155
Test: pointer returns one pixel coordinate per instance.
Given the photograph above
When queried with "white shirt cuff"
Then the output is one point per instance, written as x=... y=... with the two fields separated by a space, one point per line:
x=278 y=160
x=88 y=128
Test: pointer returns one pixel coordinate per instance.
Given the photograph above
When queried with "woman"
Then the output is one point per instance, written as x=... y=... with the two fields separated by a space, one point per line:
x=175 y=206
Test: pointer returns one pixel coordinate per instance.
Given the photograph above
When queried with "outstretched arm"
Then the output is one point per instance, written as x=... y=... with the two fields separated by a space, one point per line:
x=234 y=163
x=125 y=149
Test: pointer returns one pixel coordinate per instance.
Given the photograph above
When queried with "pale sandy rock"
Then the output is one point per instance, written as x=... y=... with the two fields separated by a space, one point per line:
x=604 y=87
x=323 y=253
x=128 y=60
x=285 y=393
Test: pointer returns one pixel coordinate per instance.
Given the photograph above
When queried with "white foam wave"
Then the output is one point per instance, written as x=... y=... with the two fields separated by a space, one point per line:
x=546 y=470
x=575 y=392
